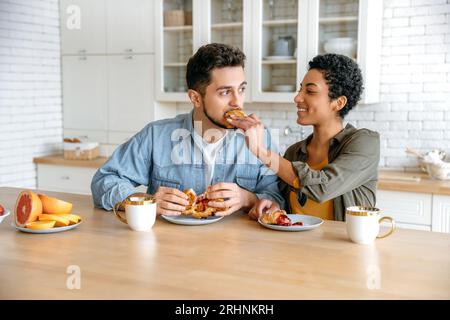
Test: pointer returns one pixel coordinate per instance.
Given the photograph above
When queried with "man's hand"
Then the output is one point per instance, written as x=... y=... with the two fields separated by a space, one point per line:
x=235 y=198
x=263 y=206
x=170 y=201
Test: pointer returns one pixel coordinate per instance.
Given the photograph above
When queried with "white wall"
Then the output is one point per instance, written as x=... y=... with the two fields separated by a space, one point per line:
x=30 y=87
x=415 y=86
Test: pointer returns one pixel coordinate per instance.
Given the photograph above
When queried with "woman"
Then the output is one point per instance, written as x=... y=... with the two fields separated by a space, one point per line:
x=333 y=168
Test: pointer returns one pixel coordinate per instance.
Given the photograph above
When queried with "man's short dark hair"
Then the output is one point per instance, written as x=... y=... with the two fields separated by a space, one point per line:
x=208 y=57
x=343 y=77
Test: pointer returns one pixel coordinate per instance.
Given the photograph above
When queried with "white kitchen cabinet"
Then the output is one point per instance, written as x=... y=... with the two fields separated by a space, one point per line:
x=230 y=22
x=82 y=24
x=65 y=179
x=255 y=26
x=176 y=39
x=130 y=92
x=441 y=213
x=406 y=207
x=84 y=92
x=68 y=179
x=276 y=76
x=129 y=26
x=360 y=20
x=411 y=210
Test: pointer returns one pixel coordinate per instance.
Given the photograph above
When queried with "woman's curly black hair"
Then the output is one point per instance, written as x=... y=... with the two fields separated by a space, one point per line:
x=343 y=77
x=208 y=57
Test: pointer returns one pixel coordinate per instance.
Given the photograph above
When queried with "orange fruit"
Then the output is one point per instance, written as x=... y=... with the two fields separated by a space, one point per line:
x=59 y=221
x=53 y=205
x=41 y=225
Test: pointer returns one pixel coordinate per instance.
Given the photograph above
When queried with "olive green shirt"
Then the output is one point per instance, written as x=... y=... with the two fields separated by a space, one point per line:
x=350 y=178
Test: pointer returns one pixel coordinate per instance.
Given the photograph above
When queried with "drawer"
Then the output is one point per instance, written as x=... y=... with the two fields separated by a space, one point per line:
x=65 y=179
x=406 y=207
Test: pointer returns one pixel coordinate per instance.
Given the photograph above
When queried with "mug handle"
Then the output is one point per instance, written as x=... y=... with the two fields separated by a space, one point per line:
x=117 y=213
x=392 y=221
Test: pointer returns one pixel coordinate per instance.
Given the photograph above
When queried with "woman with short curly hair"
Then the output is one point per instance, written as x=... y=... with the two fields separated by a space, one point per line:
x=335 y=167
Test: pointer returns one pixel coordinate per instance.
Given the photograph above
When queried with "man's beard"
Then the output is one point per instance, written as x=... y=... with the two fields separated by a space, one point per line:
x=211 y=119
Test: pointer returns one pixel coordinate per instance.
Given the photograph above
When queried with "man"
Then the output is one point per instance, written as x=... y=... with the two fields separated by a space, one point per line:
x=194 y=150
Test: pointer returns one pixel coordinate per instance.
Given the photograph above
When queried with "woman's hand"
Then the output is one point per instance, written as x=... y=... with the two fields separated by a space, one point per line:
x=263 y=206
x=254 y=132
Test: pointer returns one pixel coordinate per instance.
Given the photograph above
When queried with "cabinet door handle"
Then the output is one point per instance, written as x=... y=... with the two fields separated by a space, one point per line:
x=82 y=58
x=82 y=51
x=65 y=178
x=129 y=57
x=128 y=50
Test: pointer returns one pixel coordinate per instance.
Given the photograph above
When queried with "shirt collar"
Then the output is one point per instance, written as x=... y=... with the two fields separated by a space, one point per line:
x=338 y=138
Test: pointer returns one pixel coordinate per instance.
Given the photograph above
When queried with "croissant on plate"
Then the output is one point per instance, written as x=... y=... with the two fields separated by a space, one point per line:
x=198 y=205
x=279 y=218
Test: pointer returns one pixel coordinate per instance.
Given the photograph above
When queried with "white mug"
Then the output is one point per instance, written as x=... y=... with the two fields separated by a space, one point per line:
x=363 y=224
x=140 y=212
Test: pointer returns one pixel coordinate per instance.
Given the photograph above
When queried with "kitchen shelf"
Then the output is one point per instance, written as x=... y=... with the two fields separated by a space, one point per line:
x=291 y=61
x=227 y=25
x=178 y=28
x=274 y=23
x=331 y=20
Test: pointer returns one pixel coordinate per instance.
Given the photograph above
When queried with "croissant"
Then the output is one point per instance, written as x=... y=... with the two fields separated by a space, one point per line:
x=278 y=217
x=236 y=112
x=197 y=207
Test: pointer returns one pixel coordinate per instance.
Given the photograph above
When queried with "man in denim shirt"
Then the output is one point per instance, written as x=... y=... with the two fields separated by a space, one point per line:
x=194 y=150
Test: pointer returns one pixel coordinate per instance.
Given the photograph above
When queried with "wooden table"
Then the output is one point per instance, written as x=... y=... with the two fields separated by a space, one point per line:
x=235 y=258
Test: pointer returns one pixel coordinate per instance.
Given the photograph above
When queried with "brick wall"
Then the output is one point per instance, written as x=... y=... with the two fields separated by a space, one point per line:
x=414 y=108
x=30 y=87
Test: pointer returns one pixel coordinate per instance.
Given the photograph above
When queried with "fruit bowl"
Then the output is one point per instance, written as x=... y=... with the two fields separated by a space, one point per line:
x=4 y=215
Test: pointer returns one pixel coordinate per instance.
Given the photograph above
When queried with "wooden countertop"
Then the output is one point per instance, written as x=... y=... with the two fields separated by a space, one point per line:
x=412 y=182
x=388 y=180
x=58 y=160
x=234 y=258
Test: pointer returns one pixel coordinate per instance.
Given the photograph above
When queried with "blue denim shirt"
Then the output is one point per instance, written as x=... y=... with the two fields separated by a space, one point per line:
x=163 y=153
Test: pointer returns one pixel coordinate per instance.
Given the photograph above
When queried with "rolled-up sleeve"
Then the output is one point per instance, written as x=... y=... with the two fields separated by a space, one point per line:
x=128 y=167
x=354 y=166
x=267 y=185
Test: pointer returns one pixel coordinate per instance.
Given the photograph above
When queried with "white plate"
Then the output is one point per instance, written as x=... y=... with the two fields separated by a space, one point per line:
x=309 y=222
x=279 y=58
x=51 y=230
x=189 y=221
x=5 y=214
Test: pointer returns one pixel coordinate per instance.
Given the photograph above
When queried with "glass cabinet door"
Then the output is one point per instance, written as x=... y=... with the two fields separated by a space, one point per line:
x=338 y=27
x=177 y=42
x=279 y=45
x=227 y=22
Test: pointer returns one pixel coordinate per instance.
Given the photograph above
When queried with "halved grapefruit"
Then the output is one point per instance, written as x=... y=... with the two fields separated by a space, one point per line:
x=53 y=205
x=28 y=208
x=41 y=225
x=60 y=221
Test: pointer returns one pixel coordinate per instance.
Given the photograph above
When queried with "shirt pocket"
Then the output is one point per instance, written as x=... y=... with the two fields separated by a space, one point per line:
x=247 y=177
x=164 y=180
